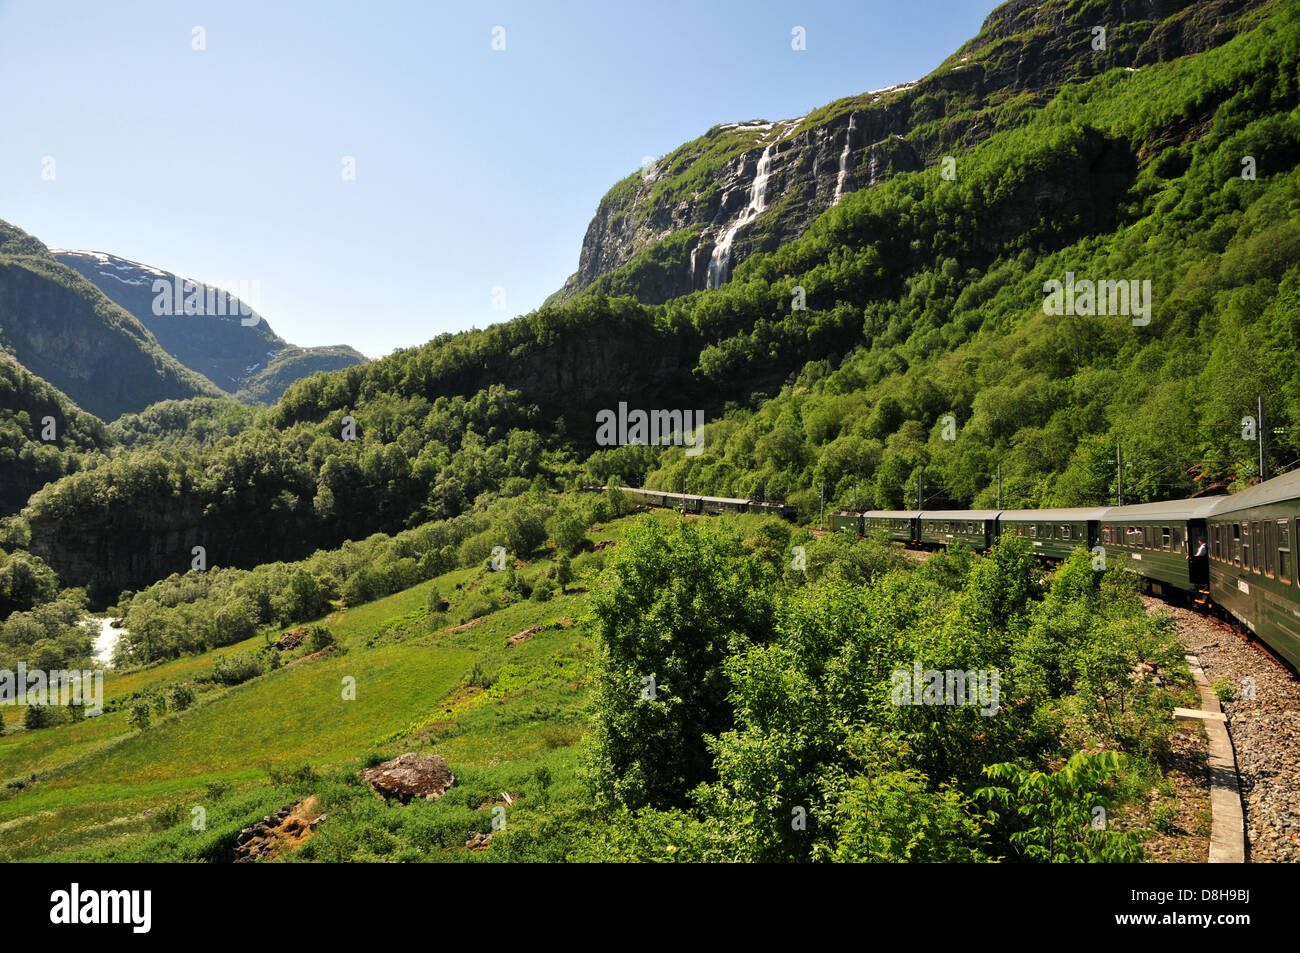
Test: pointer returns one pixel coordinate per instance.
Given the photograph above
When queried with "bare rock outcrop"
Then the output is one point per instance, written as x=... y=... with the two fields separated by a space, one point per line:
x=410 y=776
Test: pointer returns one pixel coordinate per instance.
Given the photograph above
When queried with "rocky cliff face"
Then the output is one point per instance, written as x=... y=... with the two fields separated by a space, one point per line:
x=685 y=222
x=232 y=346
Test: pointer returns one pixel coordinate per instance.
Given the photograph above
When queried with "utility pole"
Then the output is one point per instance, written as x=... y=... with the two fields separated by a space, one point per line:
x=856 y=487
x=1119 y=473
x=999 y=485
x=1263 y=442
x=821 y=487
x=919 y=494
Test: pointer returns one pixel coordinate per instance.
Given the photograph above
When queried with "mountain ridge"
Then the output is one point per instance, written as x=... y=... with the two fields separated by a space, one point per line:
x=234 y=355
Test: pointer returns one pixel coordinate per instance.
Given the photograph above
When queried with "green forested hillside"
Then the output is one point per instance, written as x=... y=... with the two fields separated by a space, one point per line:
x=925 y=299
x=30 y=411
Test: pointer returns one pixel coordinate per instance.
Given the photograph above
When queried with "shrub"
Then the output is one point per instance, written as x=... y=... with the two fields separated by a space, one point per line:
x=1225 y=689
x=236 y=669
x=435 y=603
x=182 y=697
x=563 y=572
x=295 y=775
x=37 y=716
x=478 y=677
x=319 y=638
x=139 y=715
x=1052 y=818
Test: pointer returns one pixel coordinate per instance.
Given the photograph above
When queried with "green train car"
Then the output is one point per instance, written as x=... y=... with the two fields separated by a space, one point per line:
x=1252 y=565
x=1054 y=534
x=847 y=521
x=900 y=525
x=975 y=528
x=1166 y=541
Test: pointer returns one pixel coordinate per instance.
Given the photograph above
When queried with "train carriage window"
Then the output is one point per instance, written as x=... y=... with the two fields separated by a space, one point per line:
x=1165 y=538
x=1284 y=550
x=1216 y=553
x=1270 y=547
x=1256 y=543
x=1178 y=540
x=1235 y=557
x=1245 y=545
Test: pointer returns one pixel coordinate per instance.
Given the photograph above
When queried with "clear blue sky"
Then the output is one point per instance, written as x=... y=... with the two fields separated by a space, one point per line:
x=475 y=168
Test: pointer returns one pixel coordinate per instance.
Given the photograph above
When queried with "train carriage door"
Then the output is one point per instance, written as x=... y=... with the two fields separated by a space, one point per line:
x=1256 y=545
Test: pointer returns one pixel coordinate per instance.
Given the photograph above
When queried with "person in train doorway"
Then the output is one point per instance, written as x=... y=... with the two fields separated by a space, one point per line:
x=1200 y=549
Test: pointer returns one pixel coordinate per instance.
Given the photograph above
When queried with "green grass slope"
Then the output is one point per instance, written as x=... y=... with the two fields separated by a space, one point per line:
x=94 y=790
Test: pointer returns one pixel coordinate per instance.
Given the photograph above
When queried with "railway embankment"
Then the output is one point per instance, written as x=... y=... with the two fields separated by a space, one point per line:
x=1261 y=699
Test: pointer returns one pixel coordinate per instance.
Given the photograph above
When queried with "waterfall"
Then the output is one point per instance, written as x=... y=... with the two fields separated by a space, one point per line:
x=844 y=161
x=721 y=256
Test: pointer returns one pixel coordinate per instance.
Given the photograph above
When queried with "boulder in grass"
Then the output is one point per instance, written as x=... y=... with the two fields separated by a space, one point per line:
x=291 y=639
x=409 y=776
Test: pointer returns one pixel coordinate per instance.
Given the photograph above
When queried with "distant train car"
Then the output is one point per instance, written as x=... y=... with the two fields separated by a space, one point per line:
x=714 y=505
x=900 y=525
x=1166 y=541
x=786 y=511
x=1252 y=565
x=975 y=528
x=847 y=521
x=1054 y=534
x=717 y=505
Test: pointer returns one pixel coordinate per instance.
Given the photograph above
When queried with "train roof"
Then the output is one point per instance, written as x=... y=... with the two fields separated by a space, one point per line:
x=959 y=514
x=1277 y=490
x=893 y=514
x=723 y=499
x=1068 y=514
x=1168 y=510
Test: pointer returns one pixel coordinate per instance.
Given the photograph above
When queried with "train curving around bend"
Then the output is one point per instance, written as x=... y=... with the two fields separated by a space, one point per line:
x=1234 y=552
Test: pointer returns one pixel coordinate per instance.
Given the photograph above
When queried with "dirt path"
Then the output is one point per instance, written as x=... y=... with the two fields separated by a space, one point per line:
x=1265 y=730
